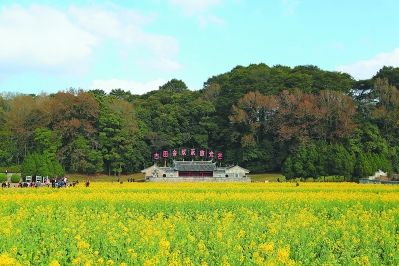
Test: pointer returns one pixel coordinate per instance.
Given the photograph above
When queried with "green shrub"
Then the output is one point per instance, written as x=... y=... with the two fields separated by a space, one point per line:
x=15 y=178
x=3 y=177
x=333 y=178
x=10 y=169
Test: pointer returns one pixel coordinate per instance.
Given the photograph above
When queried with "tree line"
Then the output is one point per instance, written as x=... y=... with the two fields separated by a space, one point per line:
x=303 y=121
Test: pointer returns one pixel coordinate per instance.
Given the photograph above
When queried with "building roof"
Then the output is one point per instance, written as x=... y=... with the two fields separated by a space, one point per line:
x=194 y=166
x=148 y=168
x=220 y=170
x=238 y=168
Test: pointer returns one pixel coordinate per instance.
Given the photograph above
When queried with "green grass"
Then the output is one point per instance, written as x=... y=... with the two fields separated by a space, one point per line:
x=138 y=177
x=271 y=177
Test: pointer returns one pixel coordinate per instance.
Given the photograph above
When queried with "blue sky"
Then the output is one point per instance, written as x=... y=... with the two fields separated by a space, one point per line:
x=139 y=45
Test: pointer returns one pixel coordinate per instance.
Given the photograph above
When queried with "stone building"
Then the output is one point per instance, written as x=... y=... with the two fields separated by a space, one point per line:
x=193 y=171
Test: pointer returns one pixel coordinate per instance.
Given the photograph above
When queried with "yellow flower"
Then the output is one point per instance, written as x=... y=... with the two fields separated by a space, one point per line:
x=225 y=261
x=110 y=262
x=363 y=260
x=241 y=233
x=54 y=263
x=283 y=254
x=14 y=250
x=133 y=254
x=83 y=244
x=201 y=246
x=257 y=258
x=76 y=261
x=100 y=261
x=6 y=259
x=266 y=247
x=187 y=261
x=164 y=244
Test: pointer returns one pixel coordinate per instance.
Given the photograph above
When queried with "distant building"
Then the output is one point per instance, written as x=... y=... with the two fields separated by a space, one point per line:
x=379 y=175
x=196 y=171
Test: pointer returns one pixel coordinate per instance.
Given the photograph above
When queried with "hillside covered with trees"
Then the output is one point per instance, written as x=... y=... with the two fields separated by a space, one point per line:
x=302 y=121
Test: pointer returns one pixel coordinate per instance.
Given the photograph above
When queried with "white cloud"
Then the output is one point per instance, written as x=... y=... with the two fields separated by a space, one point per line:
x=191 y=7
x=163 y=64
x=365 y=69
x=110 y=22
x=41 y=37
x=128 y=85
x=204 y=21
x=126 y=27
x=200 y=10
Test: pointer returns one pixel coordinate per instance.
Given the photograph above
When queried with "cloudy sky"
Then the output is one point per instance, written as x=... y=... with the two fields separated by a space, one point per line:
x=139 y=45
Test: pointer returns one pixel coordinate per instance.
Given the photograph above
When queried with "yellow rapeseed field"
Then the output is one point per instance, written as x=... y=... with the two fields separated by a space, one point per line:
x=201 y=224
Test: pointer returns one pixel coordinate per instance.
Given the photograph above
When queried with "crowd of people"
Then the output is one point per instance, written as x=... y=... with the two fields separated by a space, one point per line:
x=61 y=182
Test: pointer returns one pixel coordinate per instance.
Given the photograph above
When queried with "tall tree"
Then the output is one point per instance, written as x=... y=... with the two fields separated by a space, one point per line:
x=71 y=116
x=386 y=112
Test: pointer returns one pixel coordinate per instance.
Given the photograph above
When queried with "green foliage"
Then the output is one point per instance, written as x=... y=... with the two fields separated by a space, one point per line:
x=121 y=94
x=15 y=178
x=176 y=118
x=364 y=167
x=40 y=164
x=174 y=86
x=11 y=169
x=47 y=142
x=271 y=80
x=298 y=120
x=340 y=161
x=372 y=151
x=389 y=73
x=319 y=159
x=394 y=158
x=3 y=177
x=333 y=179
x=84 y=158
x=29 y=166
x=7 y=147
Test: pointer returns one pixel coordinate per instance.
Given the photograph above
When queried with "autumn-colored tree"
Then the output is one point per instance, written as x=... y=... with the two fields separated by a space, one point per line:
x=260 y=116
x=297 y=116
x=25 y=113
x=74 y=114
x=255 y=111
x=328 y=115
x=71 y=116
x=336 y=113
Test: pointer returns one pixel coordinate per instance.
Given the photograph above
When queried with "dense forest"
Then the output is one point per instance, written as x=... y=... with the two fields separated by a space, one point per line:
x=302 y=121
